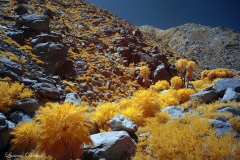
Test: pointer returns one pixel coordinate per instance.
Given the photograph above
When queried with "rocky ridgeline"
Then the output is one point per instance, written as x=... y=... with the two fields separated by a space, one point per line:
x=210 y=47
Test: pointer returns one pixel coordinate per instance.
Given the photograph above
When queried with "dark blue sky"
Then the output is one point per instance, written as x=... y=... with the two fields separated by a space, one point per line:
x=165 y=14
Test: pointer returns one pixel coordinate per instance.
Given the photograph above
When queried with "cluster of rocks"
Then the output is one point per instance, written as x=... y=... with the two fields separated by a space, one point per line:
x=224 y=90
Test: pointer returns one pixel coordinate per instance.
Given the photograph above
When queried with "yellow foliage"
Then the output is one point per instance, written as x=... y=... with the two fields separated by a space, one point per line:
x=216 y=73
x=24 y=137
x=212 y=107
x=160 y=85
x=10 y=93
x=235 y=122
x=62 y=130
x=181 y=65
x=188 y=138
x=167 y=99
x=104 y=113
x=145 y=71
x=176 y=82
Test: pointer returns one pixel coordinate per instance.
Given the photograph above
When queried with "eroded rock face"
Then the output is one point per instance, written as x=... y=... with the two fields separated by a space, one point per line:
x=116 y=145
x=53 y=54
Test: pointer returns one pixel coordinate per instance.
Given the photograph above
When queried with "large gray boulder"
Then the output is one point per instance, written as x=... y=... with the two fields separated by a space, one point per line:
x=53 y=54
x=47 y=90
x=4 y=132
x=117 y=145
x=223 y=84
x=27 y=105
x=35 y=22
x=205 y=96
x=121 y=123
x=230 y=94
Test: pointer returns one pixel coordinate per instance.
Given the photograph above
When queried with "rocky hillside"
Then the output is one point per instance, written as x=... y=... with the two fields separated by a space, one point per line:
x=210 y=47
x=90 y=50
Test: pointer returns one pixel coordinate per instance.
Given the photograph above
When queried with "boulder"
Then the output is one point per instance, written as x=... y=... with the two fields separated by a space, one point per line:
x=73 y=98
x=223 y=84
x=19 y=117
x=5 y=72
x=121 y=123
x=222 y=127
x=174 y=111
x=234 y=111
x=27 y=105
x=116 y=145
x=34 y=22
x=43 y=38
x=52 y=54
x=16 y=35
x=205 y=96
x=4 y=132
x=47 y=90
x=230 y=94
x=160 y=73
x=21 y=9
x=12 y=66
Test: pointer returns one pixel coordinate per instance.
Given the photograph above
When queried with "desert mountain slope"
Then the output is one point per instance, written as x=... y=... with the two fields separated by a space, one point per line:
x=210 y=47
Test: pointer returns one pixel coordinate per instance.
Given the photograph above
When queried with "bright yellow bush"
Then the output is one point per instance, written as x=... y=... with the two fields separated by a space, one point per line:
x=62 y=130
x=160 y=85
x=104 y=113
x=24 y=138
x=176 y=82
x=10 y=93
x=188 y=138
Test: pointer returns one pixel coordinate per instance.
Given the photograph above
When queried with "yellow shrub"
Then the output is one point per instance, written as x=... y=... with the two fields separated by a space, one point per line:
x=62 y=130
x=103 y=113
x=216 y=73
x=167 y=99
x=188 y=138
x=160 y=85
x=11 y=93
x=24 y=138
x=145 y=71
x=176 y=82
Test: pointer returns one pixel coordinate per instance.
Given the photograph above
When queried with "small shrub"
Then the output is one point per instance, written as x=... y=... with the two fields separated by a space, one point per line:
x=176 y=82
x=10 y=93
x=160 y=85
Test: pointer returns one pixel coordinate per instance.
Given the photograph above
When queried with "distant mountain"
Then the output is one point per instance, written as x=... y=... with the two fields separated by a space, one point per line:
x=210 y=47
